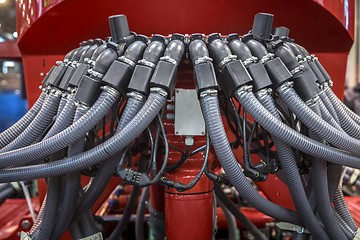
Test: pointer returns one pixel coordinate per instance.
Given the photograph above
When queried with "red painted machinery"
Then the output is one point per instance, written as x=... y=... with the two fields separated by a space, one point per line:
x=50 y=29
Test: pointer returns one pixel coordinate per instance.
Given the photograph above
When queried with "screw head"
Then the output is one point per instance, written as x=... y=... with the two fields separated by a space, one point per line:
x=26 y=224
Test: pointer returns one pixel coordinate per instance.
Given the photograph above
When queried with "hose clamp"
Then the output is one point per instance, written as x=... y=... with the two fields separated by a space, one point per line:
x=110 y=90
x=209 y=92
x=59 y=62
x=91 y=62
x=250 y=60
x=297 y=69
x=312 y=101
x=74 y=64
x=147 y=63
x=263 y=92
x=127 y=61
x=227 y=59
x=291 y=227
x=56 y=92
x=81 y=106
x=96 y=236
x=95 y=73
x=285 y=87
x=203 y=59
x=299 y=58
x=244 y=90
x=266 y=58
x=169 y=59
x=136 y=95
x=160 y=91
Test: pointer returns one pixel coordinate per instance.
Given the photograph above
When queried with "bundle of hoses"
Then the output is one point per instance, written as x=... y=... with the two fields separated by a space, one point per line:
x=276 y=81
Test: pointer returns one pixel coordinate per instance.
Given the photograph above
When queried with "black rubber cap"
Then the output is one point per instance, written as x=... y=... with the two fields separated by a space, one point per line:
x=197 y=36
x=119 y=27
x=320 y=77
x=262 y=26
x=281 y=31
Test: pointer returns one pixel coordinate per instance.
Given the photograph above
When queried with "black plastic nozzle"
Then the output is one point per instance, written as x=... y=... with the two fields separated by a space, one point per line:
x=262 y=26
x=119 y=27
x=281 y=32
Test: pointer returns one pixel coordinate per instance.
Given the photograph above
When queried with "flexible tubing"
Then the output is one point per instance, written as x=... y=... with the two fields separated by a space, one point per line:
x=72 y=185
x=316 y=124
x=140 y=213
x=245 y=222
x=212 y=116
x=66 y=137
x=104 y=174
x=330 y=107
x=290 y=136
x=95 y=155
x=342 y=209
x=36 y=127
x=233 y=232
x=16 y=129
x=320 y=183
x=297 y=191
x=339 y=104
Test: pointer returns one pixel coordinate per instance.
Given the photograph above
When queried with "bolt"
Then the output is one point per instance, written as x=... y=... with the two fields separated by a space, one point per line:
x=25 y=224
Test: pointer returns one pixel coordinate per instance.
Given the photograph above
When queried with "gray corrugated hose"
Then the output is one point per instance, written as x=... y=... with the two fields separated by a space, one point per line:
x=315 y=123
x=286 y=134
x=66 y=137
x=288 y=163
x=15 y=130
x=215 y=127
x=36 y=127
x=95 y=155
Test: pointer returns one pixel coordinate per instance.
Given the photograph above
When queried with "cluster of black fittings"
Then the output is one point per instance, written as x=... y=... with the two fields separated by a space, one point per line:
x=101 y=114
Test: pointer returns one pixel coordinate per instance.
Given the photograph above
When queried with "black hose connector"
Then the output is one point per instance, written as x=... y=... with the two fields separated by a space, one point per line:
x=80 y=71
x=232 y=72
x=287 y=56
x=143 y=72
x=305 y=83
x=281 y=32
x=77 y=54
x=45 y=81
x=262 y=26
x=257 y=49
x=120 y=71
x=165 y=72
x=204 y=72
x=64 y=84
x=88 y=53
x=88 y=91
x=238 y=47
x=97 y=52
x=56 y=75
x=104 y=61
x=277 y=72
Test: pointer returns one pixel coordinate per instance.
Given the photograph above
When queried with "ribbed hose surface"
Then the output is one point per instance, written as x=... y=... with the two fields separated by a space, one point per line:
x=342 y=209
x=16 y=129
x=95 y=155
x=327 y=117
x=72 y=185
x=316 y=124
x=214 y=125
x=339 y=104
x=348 y=124
x=349 y=233
x=330 y=107
x=297 y=191
x=98 y=183
x=251 y=227
x=140 y=214
x=319 y=176
x=63 y=120
x=36 y=127
x=66 y=137
x=290 y=136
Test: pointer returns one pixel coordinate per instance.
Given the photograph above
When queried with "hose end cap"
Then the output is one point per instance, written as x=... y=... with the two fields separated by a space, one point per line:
x=262 y=26
x=232 y=36
x=213 y=37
